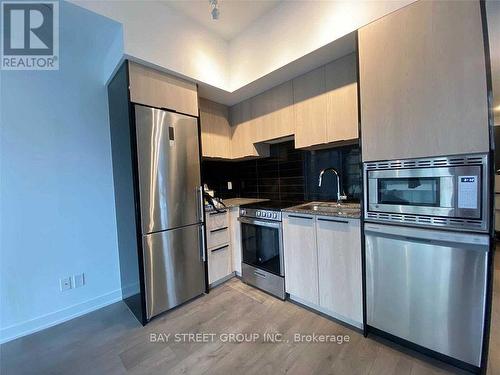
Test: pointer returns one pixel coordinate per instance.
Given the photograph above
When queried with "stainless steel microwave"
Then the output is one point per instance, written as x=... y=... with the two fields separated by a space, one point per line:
x=447 y=191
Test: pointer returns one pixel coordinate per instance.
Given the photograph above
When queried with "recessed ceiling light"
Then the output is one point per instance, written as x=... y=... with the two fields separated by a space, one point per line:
x=497 y=108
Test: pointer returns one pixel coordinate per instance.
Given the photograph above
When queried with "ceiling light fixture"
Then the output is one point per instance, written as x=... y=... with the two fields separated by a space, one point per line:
x=215 y=10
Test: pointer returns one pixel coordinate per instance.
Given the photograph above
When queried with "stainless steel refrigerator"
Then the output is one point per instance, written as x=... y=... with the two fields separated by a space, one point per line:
x=159 y=206
x=171 y=209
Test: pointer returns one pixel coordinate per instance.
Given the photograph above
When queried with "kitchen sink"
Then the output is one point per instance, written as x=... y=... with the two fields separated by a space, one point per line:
x=331 y=207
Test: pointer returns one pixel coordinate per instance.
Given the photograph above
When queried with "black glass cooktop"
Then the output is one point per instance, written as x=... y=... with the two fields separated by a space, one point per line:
x=271 y=205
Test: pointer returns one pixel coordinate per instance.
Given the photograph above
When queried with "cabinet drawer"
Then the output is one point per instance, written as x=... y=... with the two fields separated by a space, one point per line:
x=217 y=237
x=216 y=220
x=219 y=263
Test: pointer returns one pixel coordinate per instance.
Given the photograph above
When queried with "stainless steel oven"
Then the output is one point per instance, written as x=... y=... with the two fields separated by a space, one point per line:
x=444 y=191
x=262 y=251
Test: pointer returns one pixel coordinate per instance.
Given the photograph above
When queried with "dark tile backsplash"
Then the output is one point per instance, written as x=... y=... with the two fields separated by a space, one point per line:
x=287 y=174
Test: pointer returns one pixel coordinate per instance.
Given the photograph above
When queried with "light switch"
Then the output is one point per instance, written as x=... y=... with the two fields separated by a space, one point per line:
x=229 y=185
x=79 y=280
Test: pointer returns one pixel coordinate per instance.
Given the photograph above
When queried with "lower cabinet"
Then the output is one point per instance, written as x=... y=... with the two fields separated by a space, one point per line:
x=223 y=244
x=301 y=257
x=234 y=225
x=339 y=266
x=219 y=263
x=323 y=264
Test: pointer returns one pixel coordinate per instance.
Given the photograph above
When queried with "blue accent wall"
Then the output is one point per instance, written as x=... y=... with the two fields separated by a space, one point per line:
x=57 y=213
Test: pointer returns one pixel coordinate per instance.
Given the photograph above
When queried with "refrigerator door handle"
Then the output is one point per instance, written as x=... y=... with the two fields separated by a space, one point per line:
x=199 y=192
x=202 y=247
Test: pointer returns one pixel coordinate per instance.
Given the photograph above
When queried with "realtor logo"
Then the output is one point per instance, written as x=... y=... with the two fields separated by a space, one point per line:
x=30 y=35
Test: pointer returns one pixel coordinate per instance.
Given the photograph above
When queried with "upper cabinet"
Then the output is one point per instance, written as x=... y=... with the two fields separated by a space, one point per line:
x=272 y=113
x=215 y=129
x=310 y=108
x=326 y=104
x=244 y=132
x=154 y=88
x=341 y=99
x=423 y=82
x=318 y=108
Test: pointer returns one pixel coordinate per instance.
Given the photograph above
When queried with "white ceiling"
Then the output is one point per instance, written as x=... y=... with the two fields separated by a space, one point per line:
x=235 y=15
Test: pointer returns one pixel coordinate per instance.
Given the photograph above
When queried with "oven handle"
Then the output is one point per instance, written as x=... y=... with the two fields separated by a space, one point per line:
x=262 y=223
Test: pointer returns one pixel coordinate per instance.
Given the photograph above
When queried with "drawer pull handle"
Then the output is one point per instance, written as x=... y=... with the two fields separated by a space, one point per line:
x=300 y=217
x=256 y=273
x=219 y=248
x=334 y=221
x=218 y=230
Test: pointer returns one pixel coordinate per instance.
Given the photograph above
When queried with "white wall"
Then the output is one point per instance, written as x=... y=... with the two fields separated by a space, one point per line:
x=162 y=36
x=56 y=194
x=295 y=28
x=159 y=35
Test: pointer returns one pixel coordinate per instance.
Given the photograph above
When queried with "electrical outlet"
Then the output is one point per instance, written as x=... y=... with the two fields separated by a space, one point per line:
x=65 y=283
x=229 y=185
x=79 y=280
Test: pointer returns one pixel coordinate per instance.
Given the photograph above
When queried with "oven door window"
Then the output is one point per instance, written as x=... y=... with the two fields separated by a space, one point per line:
x=411 y=191
x=260 y=247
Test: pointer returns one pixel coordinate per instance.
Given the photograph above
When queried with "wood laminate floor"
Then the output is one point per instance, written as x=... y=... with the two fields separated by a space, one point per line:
x=110 y=341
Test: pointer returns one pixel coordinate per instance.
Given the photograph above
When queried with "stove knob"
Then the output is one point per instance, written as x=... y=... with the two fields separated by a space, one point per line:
x=243 y=212
x=268 y=215
x=258 y=213
x=275 y=215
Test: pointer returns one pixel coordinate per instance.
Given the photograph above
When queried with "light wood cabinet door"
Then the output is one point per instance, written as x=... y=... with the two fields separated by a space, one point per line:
x=272 y=113
x=243 y=132
x=341 y=99
x=219 y=263
x=339 y=267
x=215 y=129
x=157 y=89
x=310 y=108
x=301 y=261
x=234 y=224
x=423 y=82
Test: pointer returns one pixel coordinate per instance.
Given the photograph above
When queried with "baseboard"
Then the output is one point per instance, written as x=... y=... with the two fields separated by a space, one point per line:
x=221 y=281
x=51 y=319
x=330 y=314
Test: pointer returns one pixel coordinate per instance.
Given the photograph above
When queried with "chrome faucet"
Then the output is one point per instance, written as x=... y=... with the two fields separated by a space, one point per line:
x=340 y=197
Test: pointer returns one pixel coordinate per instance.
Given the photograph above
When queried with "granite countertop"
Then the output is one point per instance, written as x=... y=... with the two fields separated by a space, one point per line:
x=347 y=210
x=235 y=202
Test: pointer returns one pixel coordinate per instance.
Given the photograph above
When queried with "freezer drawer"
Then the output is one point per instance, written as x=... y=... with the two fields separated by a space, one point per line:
x=428 y=287
x=174 y=270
